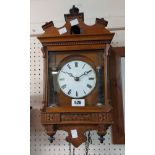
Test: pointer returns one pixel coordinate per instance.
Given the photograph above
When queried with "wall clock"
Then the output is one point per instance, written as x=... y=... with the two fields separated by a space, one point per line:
x=76 y=78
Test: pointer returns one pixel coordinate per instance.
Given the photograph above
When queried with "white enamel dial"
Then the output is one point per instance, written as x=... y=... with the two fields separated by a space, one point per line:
x=77 y=79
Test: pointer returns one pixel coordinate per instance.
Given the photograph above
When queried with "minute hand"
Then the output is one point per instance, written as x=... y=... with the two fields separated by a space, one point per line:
x=70 y=74
x=85 y=73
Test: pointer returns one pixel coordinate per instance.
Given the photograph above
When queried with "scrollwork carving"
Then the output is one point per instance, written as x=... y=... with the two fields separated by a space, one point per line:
x=50 y=118
x=76 y=117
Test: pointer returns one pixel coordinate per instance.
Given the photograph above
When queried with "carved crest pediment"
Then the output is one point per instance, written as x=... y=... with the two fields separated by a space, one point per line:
x=75 y=26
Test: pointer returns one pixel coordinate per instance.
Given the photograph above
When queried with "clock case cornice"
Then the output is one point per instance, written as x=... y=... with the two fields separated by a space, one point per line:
x=95 y=37
x=70 y=42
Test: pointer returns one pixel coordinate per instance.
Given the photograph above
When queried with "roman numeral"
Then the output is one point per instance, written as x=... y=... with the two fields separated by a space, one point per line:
x=83 y=66
x=69 y=66
x=91 y=78
x=69 y=92
x=76 y=94
x=64 y=86
x=76 y=64
x=84 y=92
x=89 y=86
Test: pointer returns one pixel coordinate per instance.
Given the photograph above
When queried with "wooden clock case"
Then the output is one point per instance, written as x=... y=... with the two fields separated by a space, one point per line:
x=93 y=38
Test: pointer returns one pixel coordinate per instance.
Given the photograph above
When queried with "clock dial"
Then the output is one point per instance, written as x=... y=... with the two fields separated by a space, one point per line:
x=77 y=79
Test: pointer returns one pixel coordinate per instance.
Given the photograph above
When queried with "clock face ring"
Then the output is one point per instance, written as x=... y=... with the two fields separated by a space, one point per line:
x=76 y=79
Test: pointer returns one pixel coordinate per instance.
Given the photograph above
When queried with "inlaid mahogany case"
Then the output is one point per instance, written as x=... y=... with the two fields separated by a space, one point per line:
x=78 y=41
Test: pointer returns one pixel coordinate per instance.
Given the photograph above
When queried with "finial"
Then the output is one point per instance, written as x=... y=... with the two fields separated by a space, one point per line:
x=74 y=10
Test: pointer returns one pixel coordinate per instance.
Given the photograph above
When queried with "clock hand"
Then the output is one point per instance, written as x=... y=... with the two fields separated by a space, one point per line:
x=89 y=71
x=70 y=74
x=85 y=73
